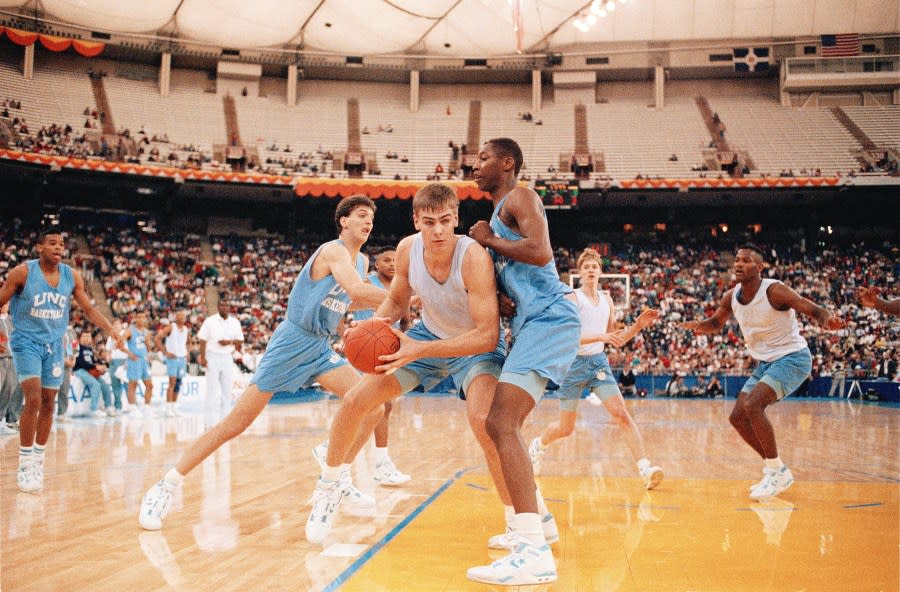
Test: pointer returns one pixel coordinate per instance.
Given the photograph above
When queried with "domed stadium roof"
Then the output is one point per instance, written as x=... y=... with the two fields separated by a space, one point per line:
x=479 y=28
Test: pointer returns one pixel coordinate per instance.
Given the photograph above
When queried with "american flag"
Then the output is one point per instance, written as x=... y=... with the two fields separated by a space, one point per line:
x=834 y=46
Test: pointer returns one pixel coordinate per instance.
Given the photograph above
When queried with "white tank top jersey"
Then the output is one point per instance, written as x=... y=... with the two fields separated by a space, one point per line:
x=594 y=319
x=445 y=306
x=769 y=334
x=176 y=341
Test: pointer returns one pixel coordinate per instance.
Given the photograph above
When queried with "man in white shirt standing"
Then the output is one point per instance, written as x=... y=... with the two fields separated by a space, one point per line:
x=219 y=336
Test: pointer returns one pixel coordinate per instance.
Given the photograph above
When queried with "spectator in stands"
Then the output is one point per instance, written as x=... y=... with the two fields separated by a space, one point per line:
x=714 y=387
x=93 y=376
x=887 y=367
x=627 y=381
x=438 y=169
x=673 y=158
x=676 y=387
x=365 y=130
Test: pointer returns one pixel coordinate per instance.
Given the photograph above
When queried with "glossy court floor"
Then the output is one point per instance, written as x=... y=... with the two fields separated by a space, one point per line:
x=238 y=524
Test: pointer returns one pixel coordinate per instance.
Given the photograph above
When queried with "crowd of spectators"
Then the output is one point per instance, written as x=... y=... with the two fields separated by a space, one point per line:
x=160 y=274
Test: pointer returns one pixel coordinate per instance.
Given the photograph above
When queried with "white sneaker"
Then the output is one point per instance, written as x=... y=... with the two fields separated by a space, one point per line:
x=536 y=452
x=760 y=482
x=98 y=413
x=527 y=564
x=320 y=453
x=593 y=399
x=775 y=482
x=148 y=412
x=387 y=474
x=354 y=496
x=155 y=505
x=652 y=477
x=325 y=501
x=30 y=477
x=5 y=430
x=508 y=539
x=111 y=412
x=170 y=412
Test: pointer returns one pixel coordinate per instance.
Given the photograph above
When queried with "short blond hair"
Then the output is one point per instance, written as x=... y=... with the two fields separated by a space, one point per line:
x=434 y=197
x=588 y=254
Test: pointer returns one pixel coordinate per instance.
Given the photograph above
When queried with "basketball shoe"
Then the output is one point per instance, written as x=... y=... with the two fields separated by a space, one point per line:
x=527 y=564
x=325 y=501
x=30 y=477
x=156 y=504
x=354 y=496
x=508 y=539
x=387 y=474
x=536 y=453
x=652 y=477
x=776 y=481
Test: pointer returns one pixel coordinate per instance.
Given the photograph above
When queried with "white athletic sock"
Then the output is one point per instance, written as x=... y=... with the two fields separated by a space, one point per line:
x=774 y=463
x=509 y=513
x=643 y=464
x=39 y=452
x=26 y=453
x=529 y=526
x=381 y=454
x=542 y=506
x=173 y=478
x=330 y=473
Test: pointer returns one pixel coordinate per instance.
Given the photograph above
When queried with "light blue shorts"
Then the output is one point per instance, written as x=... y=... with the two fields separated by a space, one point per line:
x=293 y=359
x=543 y=349
x=591 y=372
x=138 y=369
x=38 y=360
x=176 y=367
x=784 y=375
x=430 y=371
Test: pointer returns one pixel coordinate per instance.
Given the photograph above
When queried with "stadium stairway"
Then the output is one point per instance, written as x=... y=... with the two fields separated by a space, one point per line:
x=857 y=132
x=93 y=285
x=109 y=128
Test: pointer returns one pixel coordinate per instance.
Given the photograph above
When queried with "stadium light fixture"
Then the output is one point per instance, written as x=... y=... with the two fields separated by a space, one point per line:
x=598 y=9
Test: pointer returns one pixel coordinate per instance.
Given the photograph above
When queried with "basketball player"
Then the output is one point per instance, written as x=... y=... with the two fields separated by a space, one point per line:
x=545 y=331
x=175 y=349
x=459 y=336
x=766 y=312
x=138 y=365
x=299 y=352
x=870 y=297
x=220 y=335
x=40 y=292
x=386 y=472
x=591 y=370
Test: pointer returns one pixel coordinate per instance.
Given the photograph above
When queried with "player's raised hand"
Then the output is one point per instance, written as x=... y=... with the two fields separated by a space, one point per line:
x=868 y=296
x=647 y=317
x=833 y=323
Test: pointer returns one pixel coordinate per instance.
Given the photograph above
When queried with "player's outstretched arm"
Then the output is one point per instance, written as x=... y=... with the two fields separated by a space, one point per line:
x=524 y=206
x=92 y=314
x=782 y=297
x=870 y=297
x=715 y=322
x=362 y=293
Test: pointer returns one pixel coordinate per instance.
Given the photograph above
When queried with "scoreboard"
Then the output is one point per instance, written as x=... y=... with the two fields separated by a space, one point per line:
x=557 y=195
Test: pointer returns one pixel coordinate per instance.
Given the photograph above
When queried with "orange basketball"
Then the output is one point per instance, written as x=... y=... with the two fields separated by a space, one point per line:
x=368 y=340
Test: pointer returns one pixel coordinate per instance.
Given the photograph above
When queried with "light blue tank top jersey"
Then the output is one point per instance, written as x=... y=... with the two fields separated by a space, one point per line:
x=368 y=313
x=445 y=306
x=41 y=312
x=137 y=343
x=318 y=306
x=532 y=288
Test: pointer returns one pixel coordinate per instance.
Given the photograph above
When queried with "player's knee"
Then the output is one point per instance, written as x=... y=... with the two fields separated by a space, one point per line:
x=477 y=423
x=565 y=430
x=498 y=425
x=738 y=414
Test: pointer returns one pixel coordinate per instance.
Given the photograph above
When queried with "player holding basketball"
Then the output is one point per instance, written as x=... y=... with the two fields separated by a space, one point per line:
x=591 y=370
x=459 y=336
x=299 y=352
x=40 y=292
x=766 y=312
x=545 y=331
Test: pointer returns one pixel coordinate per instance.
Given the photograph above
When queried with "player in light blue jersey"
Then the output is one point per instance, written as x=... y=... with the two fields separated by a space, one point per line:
x=545 y=331
x=299 y=352
x=40 y=292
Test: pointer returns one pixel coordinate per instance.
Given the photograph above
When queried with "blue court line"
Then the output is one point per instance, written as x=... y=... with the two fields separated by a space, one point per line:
x=362 y=559
x=863 y=505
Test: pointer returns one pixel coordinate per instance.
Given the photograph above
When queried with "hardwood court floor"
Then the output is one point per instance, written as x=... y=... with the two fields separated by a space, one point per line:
x=238 y=525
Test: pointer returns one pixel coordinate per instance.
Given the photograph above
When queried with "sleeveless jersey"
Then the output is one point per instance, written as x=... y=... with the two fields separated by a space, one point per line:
x=41 y=312
x=176 y=341
x=594 y=319
x=368 y=313
x=770 y=334
x=137 y=343
x=318 y=306
x=532 y=288
x=445 y=306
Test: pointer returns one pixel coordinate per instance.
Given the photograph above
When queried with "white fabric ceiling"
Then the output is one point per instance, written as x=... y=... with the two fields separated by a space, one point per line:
x=471 y=27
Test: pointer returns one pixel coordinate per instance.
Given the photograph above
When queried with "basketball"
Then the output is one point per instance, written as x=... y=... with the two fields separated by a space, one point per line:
x=368 y=340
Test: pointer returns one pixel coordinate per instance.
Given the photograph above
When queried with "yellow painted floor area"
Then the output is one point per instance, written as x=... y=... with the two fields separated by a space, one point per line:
x=690 y=535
